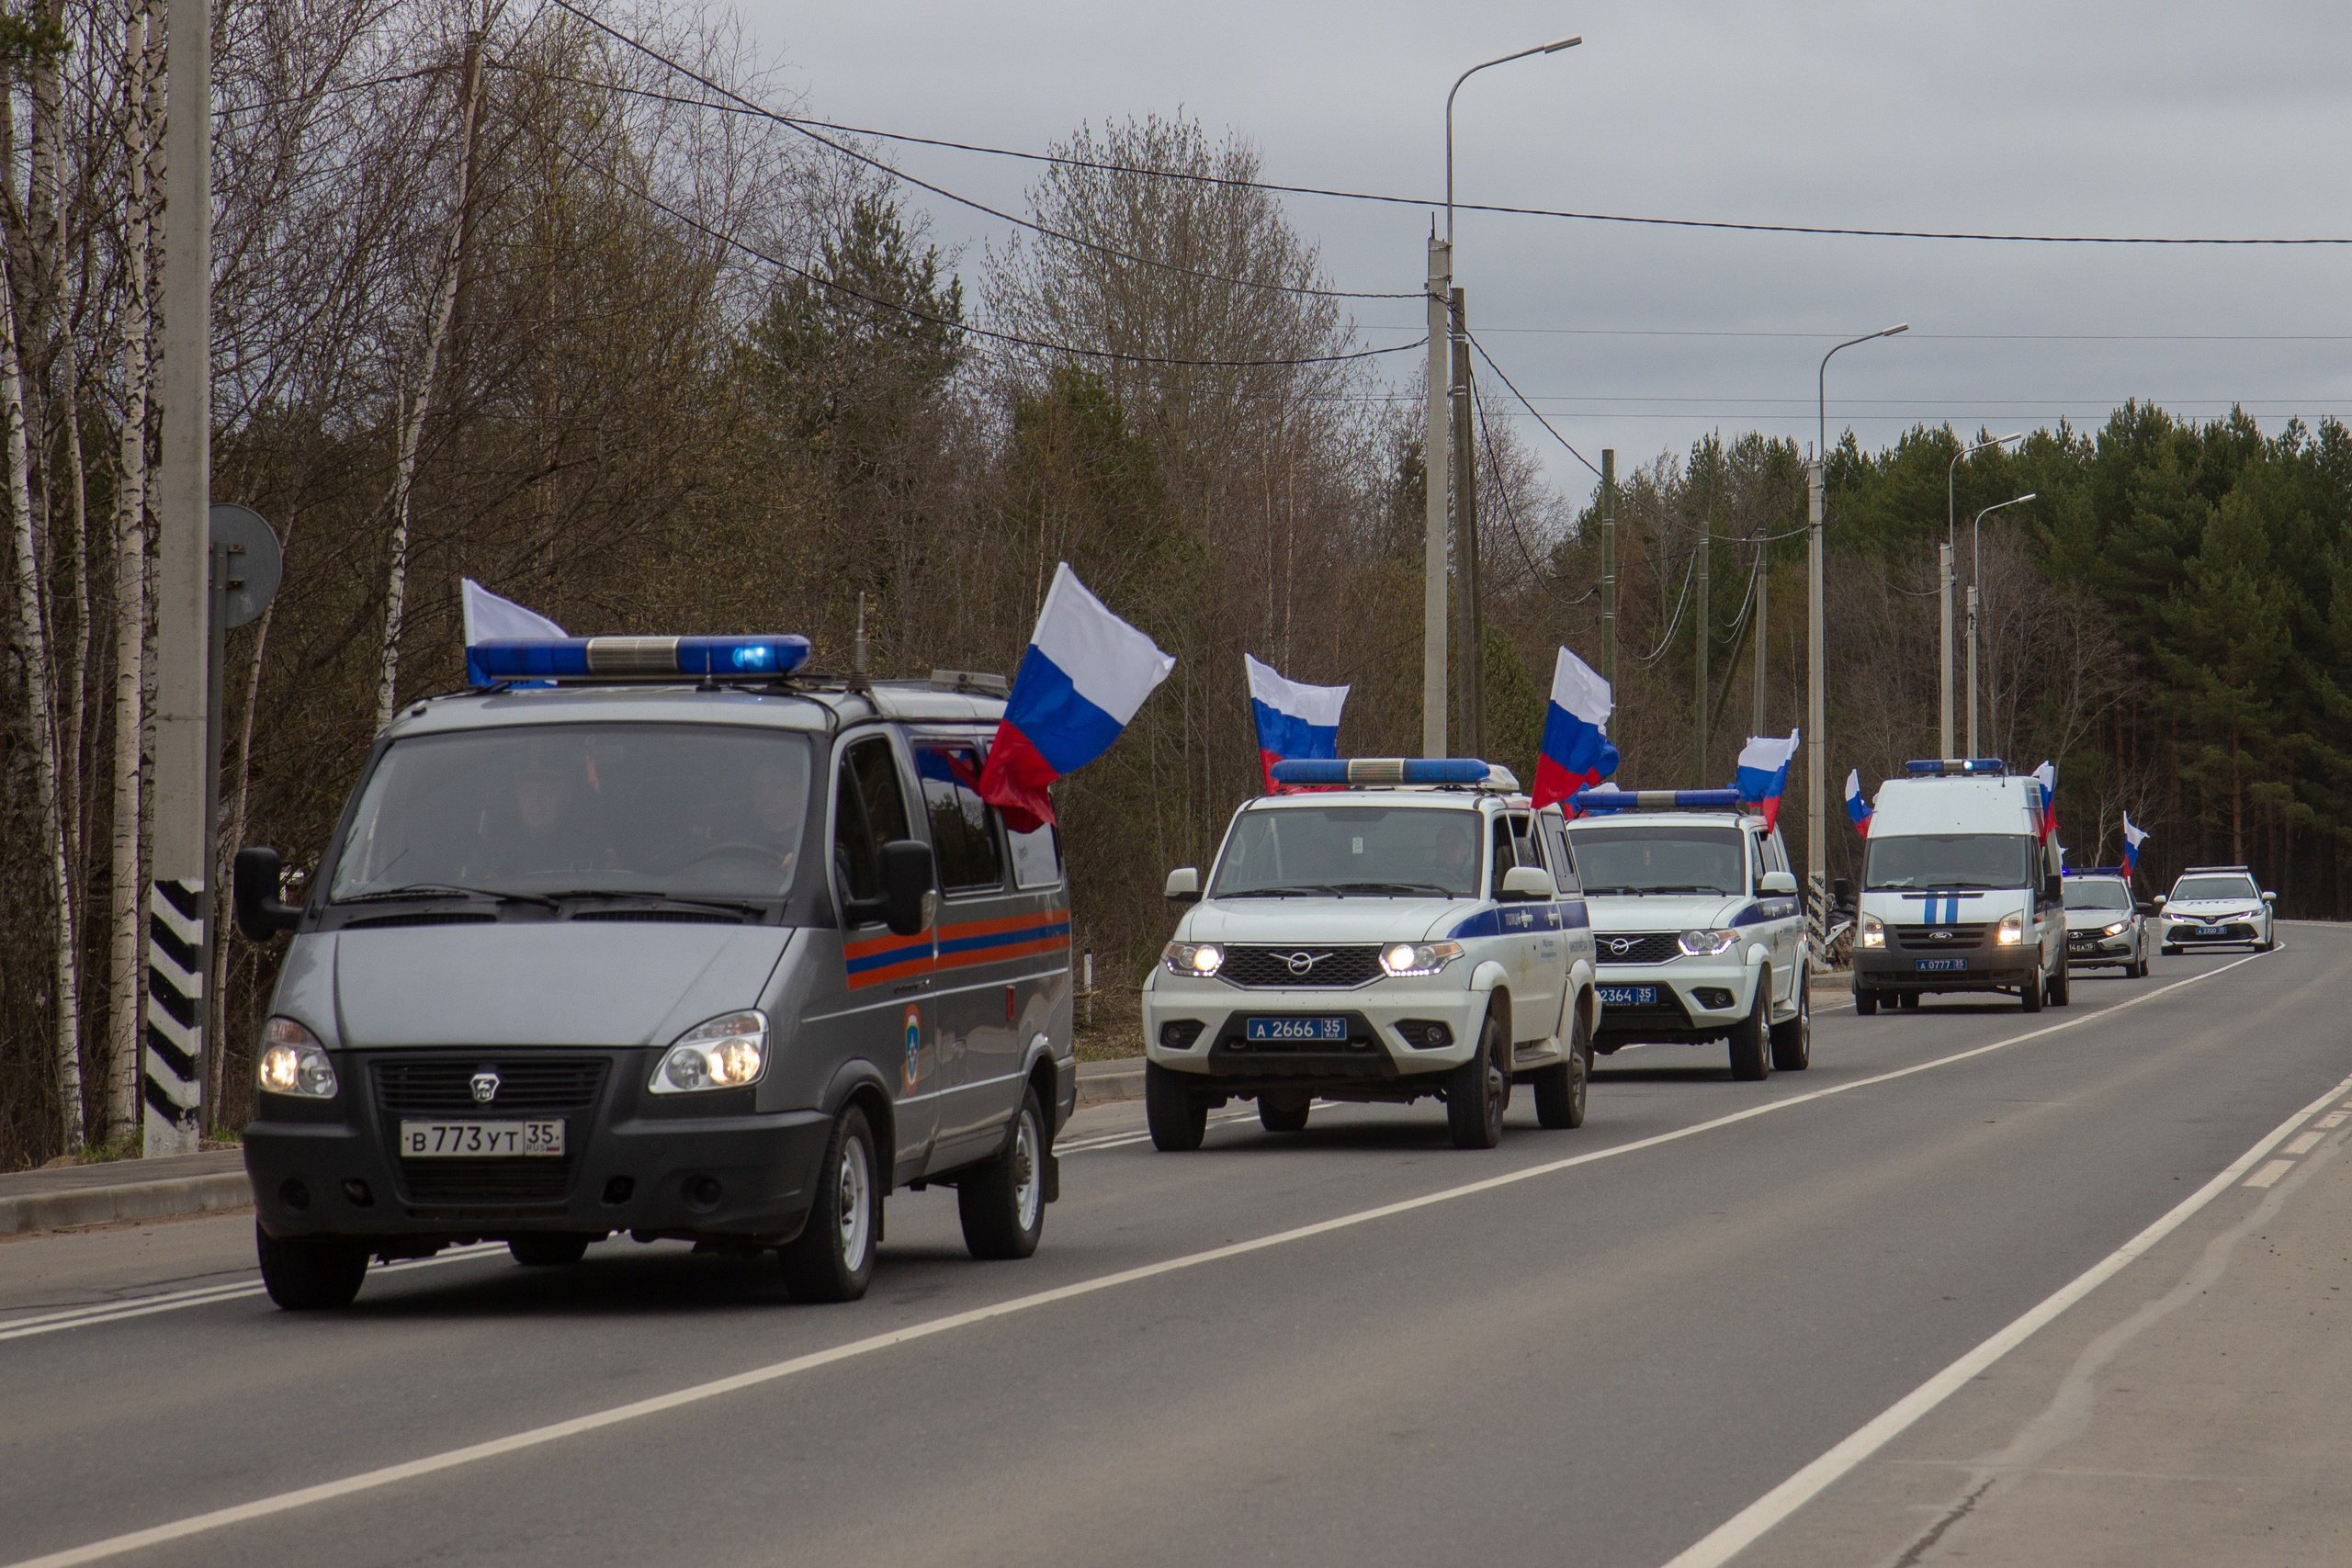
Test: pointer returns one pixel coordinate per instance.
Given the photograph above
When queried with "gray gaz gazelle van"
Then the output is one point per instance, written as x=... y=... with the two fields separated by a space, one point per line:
x=724 y=962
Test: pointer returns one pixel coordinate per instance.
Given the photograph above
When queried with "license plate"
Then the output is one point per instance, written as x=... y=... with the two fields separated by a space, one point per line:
x=1628 y=996
x=1942 y=965
x=2209 y=930
x=481 y=1139
x=1319 y=1030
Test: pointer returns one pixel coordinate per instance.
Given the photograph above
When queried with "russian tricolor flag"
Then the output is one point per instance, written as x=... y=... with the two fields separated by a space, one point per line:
x=2132 y=839
x=488 y=618
x=2046 y=777
x=1857 y=807
x=1575 y=749
x=1763 y=775
x=1085 y=674
x=1294 y=719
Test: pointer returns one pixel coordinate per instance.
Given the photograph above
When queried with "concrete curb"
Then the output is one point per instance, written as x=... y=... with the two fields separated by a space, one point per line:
x=1107 y=1083
x=173 y=1198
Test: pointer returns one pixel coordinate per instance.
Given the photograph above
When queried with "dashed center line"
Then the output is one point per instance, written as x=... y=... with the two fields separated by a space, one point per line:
x=2270 y=1174
x=2303 y=1145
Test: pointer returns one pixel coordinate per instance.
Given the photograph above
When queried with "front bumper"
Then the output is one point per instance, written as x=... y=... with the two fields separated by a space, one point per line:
x=1694 y=999
x=2088 y=950
x=2228 y=933
x=1199 y=1027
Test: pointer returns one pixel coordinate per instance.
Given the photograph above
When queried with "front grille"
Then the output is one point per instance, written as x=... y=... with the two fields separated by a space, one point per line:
x=1289 y=968
x=1639 y=947
x=527 y=1085
x=1941 y=939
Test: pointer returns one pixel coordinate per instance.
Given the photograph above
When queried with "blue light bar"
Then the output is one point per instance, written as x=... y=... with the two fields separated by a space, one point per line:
x=637 y=658
x=1330 y=771
x=2096 y=870
x=1657 y=799
x=1956 y=767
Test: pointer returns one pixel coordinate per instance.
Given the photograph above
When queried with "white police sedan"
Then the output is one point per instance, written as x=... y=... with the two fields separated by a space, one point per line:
x=2217 y=906
x=1411 y=929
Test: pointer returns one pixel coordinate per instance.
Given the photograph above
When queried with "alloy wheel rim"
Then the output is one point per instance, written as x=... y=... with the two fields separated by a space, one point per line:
x=1027 y=1191
x=855 y=1219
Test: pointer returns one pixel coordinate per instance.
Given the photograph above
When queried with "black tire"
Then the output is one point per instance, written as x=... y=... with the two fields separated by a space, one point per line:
x=2168 y=949
x=1283 y=1118
x=1908 y=1001
x=548 y=1251
x=1561 y=1090
x=1792 y=1040
x=1002 y=1203
x=1177 y=1120
x=832 y=1258
x=2032 y=994
x=310 y=1273
x=1477 y=1091
x=1751 y=1055
x=1865 y=1001
x=2061 y=986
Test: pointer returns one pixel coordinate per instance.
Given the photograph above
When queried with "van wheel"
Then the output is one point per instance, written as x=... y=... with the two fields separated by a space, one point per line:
x=2061 y=986
x=1865 y=1001
x=1560 y=1090
x=1792 y=1040
x=2168 y=949
x=1178 y=1121
x=1002 y=1203
x=1477 y=1091
x=2029 y=995
x=1751 y=1060
x=310 y=1273
x=548 y=1251
x=833 y=1259
x=1282 y=1118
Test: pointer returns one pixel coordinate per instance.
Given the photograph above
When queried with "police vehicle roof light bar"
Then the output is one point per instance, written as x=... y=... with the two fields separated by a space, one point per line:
x=1362 y=771
x=1956 y=767
x=2095 y=870
x=640 y=658
x=1657 y=799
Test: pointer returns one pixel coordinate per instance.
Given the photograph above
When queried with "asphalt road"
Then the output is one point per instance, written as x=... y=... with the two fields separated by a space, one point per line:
x=1353 y=1346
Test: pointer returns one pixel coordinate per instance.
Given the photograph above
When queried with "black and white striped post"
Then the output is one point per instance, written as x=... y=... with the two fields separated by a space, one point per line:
x=171 y=1067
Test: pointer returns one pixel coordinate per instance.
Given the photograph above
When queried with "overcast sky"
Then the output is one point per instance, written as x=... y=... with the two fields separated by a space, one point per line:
x=2039 y=117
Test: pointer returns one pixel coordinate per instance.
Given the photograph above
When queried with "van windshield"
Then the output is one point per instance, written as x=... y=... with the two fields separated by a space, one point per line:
x=2100 y=894
x=1949 y=860
x=542 y=811
x=1629 y=861
x=1307 y=851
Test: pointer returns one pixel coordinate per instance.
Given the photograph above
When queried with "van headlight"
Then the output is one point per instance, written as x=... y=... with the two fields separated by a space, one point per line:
x=1871 y=932
x=292 y=1062
x=729 y=1052
x=1402 y=959
x=2012 y=932
x=1200 y=959
x=1708 y=943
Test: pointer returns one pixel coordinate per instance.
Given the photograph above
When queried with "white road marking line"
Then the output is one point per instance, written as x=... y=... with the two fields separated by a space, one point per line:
x=614 y=1415
x=145 y=1306
x=2303 y=1145
x=1743 y=1530
x=2270 y=1174
x=2334 y=1119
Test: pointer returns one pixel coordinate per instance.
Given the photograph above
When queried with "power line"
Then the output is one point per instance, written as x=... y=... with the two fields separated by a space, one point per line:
x=1531 y=408
x=1680 y=605
x=1510 y=512
x=1939 y=337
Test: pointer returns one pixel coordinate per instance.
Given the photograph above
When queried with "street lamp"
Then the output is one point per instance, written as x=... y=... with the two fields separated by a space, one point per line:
x=1817 y=834
x=1434 y=443
x=1944 y=577
x=1975 y=568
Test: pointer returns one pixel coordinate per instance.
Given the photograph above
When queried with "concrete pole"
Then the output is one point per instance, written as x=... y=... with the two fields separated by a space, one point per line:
x=1972 y=669
x=1435 y=447
x=183 y=755
x=1470 y=679
x=1816 y=726
x=1699 y=696
x=1763 y=643
x=1608 y=568
x=1943 y=679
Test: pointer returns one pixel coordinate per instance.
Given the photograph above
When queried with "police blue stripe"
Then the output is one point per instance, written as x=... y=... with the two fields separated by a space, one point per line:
x=1567 y=914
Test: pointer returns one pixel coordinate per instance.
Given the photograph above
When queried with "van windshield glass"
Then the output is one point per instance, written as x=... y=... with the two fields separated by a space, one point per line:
x=1306 y=851
x=1949 y=860
x=665 y=810
x=1660 y=860
x=2098 y=895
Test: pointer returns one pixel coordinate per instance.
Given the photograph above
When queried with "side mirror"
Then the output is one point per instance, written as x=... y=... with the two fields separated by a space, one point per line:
x=1526 y=883
x=2054 y=888
x=2270 y=897
x=1783 y=885
x=1184 y=885
x=909 y=878
x=255 y=880
x=2147 y=905
x=2158 y=901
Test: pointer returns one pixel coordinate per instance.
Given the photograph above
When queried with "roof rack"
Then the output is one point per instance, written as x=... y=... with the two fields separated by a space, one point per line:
x=1389 y=773
x=1598 y=800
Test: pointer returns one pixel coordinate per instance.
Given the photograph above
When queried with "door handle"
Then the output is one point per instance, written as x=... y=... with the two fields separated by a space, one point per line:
x=911 y=988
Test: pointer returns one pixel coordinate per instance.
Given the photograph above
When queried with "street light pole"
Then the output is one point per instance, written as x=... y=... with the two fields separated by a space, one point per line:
x=1975 y=576
x=1944 y=577
x=1435 y=441
x=1816 y=820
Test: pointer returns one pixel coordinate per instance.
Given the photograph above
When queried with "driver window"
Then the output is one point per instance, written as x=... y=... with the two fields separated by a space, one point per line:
x=869 y=810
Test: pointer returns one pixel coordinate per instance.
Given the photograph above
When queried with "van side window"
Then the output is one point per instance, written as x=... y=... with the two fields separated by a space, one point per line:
x=1514 y=846
x=963 y=829
x=869 y=810
x=1564 y=865
x=1036 y=857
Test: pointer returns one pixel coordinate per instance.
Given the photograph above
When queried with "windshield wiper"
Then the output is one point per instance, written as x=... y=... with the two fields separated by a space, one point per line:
x=670 y=900
x=1346 y=888
x=446 y=890
x=1614 y=892
x=1690 y=887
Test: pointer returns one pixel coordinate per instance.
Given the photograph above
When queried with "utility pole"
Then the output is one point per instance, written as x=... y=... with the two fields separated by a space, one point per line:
x=1763 y=582
x=1816 y=703
x=1434 y=465
x=1699 y=696
x=179 y=901
x=1608 y=568
x=1972 y=669
x=1470 y=679
x=1943 y=674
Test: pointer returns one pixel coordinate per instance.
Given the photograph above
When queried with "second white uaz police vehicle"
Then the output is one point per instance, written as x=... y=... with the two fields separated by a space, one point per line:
x=1409 y=929
x=1696 y=925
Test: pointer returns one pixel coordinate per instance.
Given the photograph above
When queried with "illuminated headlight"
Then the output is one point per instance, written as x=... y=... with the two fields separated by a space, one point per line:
x=1872 y=932
x=2118 y=929
x=1405 y=958
x=293 y=1062
x=1708 y=943
x=1201 y=959
x=725 y=1053
x=2012 y=932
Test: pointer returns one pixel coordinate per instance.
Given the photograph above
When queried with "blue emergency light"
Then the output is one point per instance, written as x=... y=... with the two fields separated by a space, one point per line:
x=1956 y=767
x=1657 y=799
x=635 y=658
x=2096 y=870
x=1330 y=771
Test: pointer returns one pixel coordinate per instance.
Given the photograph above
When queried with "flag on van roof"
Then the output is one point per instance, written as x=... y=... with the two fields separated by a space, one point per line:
x=2046 y=777
x=1763 y=774
x=488 y=618
x=2132 y=839
x=1294 y=719
x=1085 y=674
x=1575 y=753
x=1857 y=807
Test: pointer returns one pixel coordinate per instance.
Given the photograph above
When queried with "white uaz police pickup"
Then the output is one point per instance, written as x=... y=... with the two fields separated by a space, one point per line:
x=1408 y=928
x=1697 y=927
